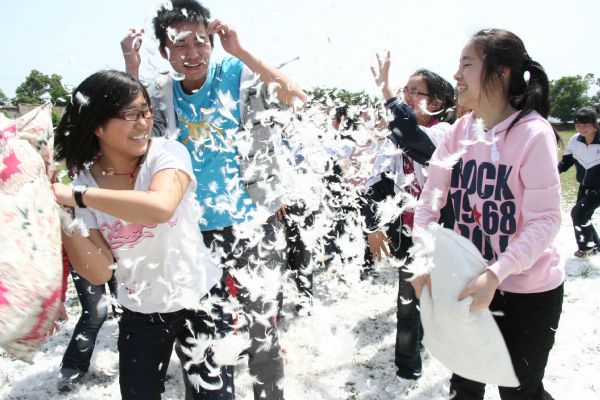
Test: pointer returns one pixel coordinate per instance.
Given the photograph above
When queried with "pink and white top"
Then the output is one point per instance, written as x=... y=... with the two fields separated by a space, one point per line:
x=160 y=267
x=505 y=193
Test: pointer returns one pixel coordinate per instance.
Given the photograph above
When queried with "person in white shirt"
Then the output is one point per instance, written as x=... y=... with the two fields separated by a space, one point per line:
x=136 y=198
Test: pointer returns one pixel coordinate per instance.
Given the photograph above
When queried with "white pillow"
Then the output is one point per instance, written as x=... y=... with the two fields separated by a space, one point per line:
x=468 y=343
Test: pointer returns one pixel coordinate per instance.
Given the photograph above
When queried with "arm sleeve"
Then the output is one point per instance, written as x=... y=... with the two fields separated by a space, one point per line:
x=540 y=209
x=380 y=188
x=380 y=184
x=407 y=134
x=159 y=125
x=174 y=155
x=567 y=160
x=434 y=196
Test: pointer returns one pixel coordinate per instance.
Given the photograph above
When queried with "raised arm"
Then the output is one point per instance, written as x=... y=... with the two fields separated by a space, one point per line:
x=130 y=46
x=286 y=90
x=381 y=74
x=154 y=206
x=405 y=130
x=407 y=134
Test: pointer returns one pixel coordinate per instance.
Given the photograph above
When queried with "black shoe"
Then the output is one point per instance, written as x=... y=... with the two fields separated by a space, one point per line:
x=68 y=378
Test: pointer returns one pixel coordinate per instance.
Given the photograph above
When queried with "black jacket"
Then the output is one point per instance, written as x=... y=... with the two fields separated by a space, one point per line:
x=586 y=159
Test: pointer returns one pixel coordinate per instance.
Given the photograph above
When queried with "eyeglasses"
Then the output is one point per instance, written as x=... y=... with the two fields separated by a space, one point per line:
x=413 y=92
x=134 y=115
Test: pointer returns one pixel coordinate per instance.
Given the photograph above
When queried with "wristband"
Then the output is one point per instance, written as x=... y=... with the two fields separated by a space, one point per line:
x=78 y=191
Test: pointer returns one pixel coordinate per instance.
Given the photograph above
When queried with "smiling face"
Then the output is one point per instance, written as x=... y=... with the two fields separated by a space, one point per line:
x=121 y=137
x=188 y=50
x=468 y=78
x=586 y=130
x=417 y=96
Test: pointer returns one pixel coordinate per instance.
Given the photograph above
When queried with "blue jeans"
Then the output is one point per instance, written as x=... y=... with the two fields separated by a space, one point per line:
x=94 y=311
x=145 y=347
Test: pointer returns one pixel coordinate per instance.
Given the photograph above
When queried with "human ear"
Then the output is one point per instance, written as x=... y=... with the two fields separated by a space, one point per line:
x=163 y=52
x=503 y=71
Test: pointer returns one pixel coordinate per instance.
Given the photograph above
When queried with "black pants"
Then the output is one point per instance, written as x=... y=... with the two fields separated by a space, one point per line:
x=298 y=256
x=409 y=331
x=94 y=311
x=587 y=202
x=145 y=346
x=264 y=359
x=528 y=323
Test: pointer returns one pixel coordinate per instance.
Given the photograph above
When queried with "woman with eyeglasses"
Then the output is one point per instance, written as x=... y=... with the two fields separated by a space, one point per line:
x=420 y=119
x=135 y=196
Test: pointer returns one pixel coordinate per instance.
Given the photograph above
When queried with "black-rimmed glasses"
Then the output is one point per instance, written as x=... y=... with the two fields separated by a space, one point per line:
x=413 y=92
x=134 y=115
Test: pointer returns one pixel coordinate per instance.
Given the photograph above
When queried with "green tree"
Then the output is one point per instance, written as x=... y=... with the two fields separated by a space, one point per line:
x=568 y=94
x=3 y=99
x=329 y=96
x=37 y=84
x=347 y=104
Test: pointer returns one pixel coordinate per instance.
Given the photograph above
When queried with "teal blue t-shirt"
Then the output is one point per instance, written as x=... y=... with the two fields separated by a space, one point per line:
x=209 y=120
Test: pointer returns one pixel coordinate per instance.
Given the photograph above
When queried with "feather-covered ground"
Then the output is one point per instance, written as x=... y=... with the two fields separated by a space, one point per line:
x=345 y=348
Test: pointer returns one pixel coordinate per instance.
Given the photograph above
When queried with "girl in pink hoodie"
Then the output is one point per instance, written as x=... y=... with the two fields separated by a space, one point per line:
x=498 y=167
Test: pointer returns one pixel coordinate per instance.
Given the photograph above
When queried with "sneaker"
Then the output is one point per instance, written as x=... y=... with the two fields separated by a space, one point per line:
x=67 y=378
x=585 y=253
x=400 y=385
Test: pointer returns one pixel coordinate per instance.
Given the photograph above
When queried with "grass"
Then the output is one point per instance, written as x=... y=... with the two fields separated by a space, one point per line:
x=568 y=182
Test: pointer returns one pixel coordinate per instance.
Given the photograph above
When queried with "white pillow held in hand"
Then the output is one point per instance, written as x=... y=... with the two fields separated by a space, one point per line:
x=468 y=343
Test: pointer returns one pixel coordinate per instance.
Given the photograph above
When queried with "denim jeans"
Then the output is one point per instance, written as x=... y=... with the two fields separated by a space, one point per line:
x=145 y=346
x=528 y=323
x=94 y=311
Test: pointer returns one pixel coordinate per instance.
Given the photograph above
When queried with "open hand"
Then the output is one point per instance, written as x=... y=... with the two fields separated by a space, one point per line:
x=130 y=46
x=227 y=35
x=381 y=73
x=378 y=244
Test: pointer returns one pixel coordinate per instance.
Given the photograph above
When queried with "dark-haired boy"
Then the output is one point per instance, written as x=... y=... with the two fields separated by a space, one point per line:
x=204 y=109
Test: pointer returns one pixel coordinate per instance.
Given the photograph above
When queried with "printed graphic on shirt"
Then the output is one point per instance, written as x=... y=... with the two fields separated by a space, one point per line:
x=119 y=234
x=483 y=204
x=200 y=132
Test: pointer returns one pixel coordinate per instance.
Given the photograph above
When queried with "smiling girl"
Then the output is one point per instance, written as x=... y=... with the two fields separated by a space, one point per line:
x=136 y=198
x=505 y=194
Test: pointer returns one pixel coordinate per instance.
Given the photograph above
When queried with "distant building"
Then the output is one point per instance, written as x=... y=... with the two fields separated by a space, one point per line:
x=14 y=112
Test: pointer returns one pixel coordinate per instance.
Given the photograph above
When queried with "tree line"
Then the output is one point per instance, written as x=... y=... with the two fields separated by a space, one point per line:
x=567 y=93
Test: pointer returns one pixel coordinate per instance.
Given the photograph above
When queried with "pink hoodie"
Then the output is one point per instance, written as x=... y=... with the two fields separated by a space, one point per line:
x=506 y=198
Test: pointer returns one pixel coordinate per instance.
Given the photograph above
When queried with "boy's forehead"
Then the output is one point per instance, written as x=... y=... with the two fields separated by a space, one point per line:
x=187 y=28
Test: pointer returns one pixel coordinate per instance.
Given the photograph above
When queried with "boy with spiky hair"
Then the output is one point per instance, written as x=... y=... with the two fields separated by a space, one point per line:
x=206 y=109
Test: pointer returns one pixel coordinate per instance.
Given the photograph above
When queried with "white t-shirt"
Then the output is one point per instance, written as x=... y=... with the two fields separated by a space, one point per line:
x=160 y=267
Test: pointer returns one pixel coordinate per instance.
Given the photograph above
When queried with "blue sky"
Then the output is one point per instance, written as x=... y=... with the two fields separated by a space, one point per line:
x=335 y=40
